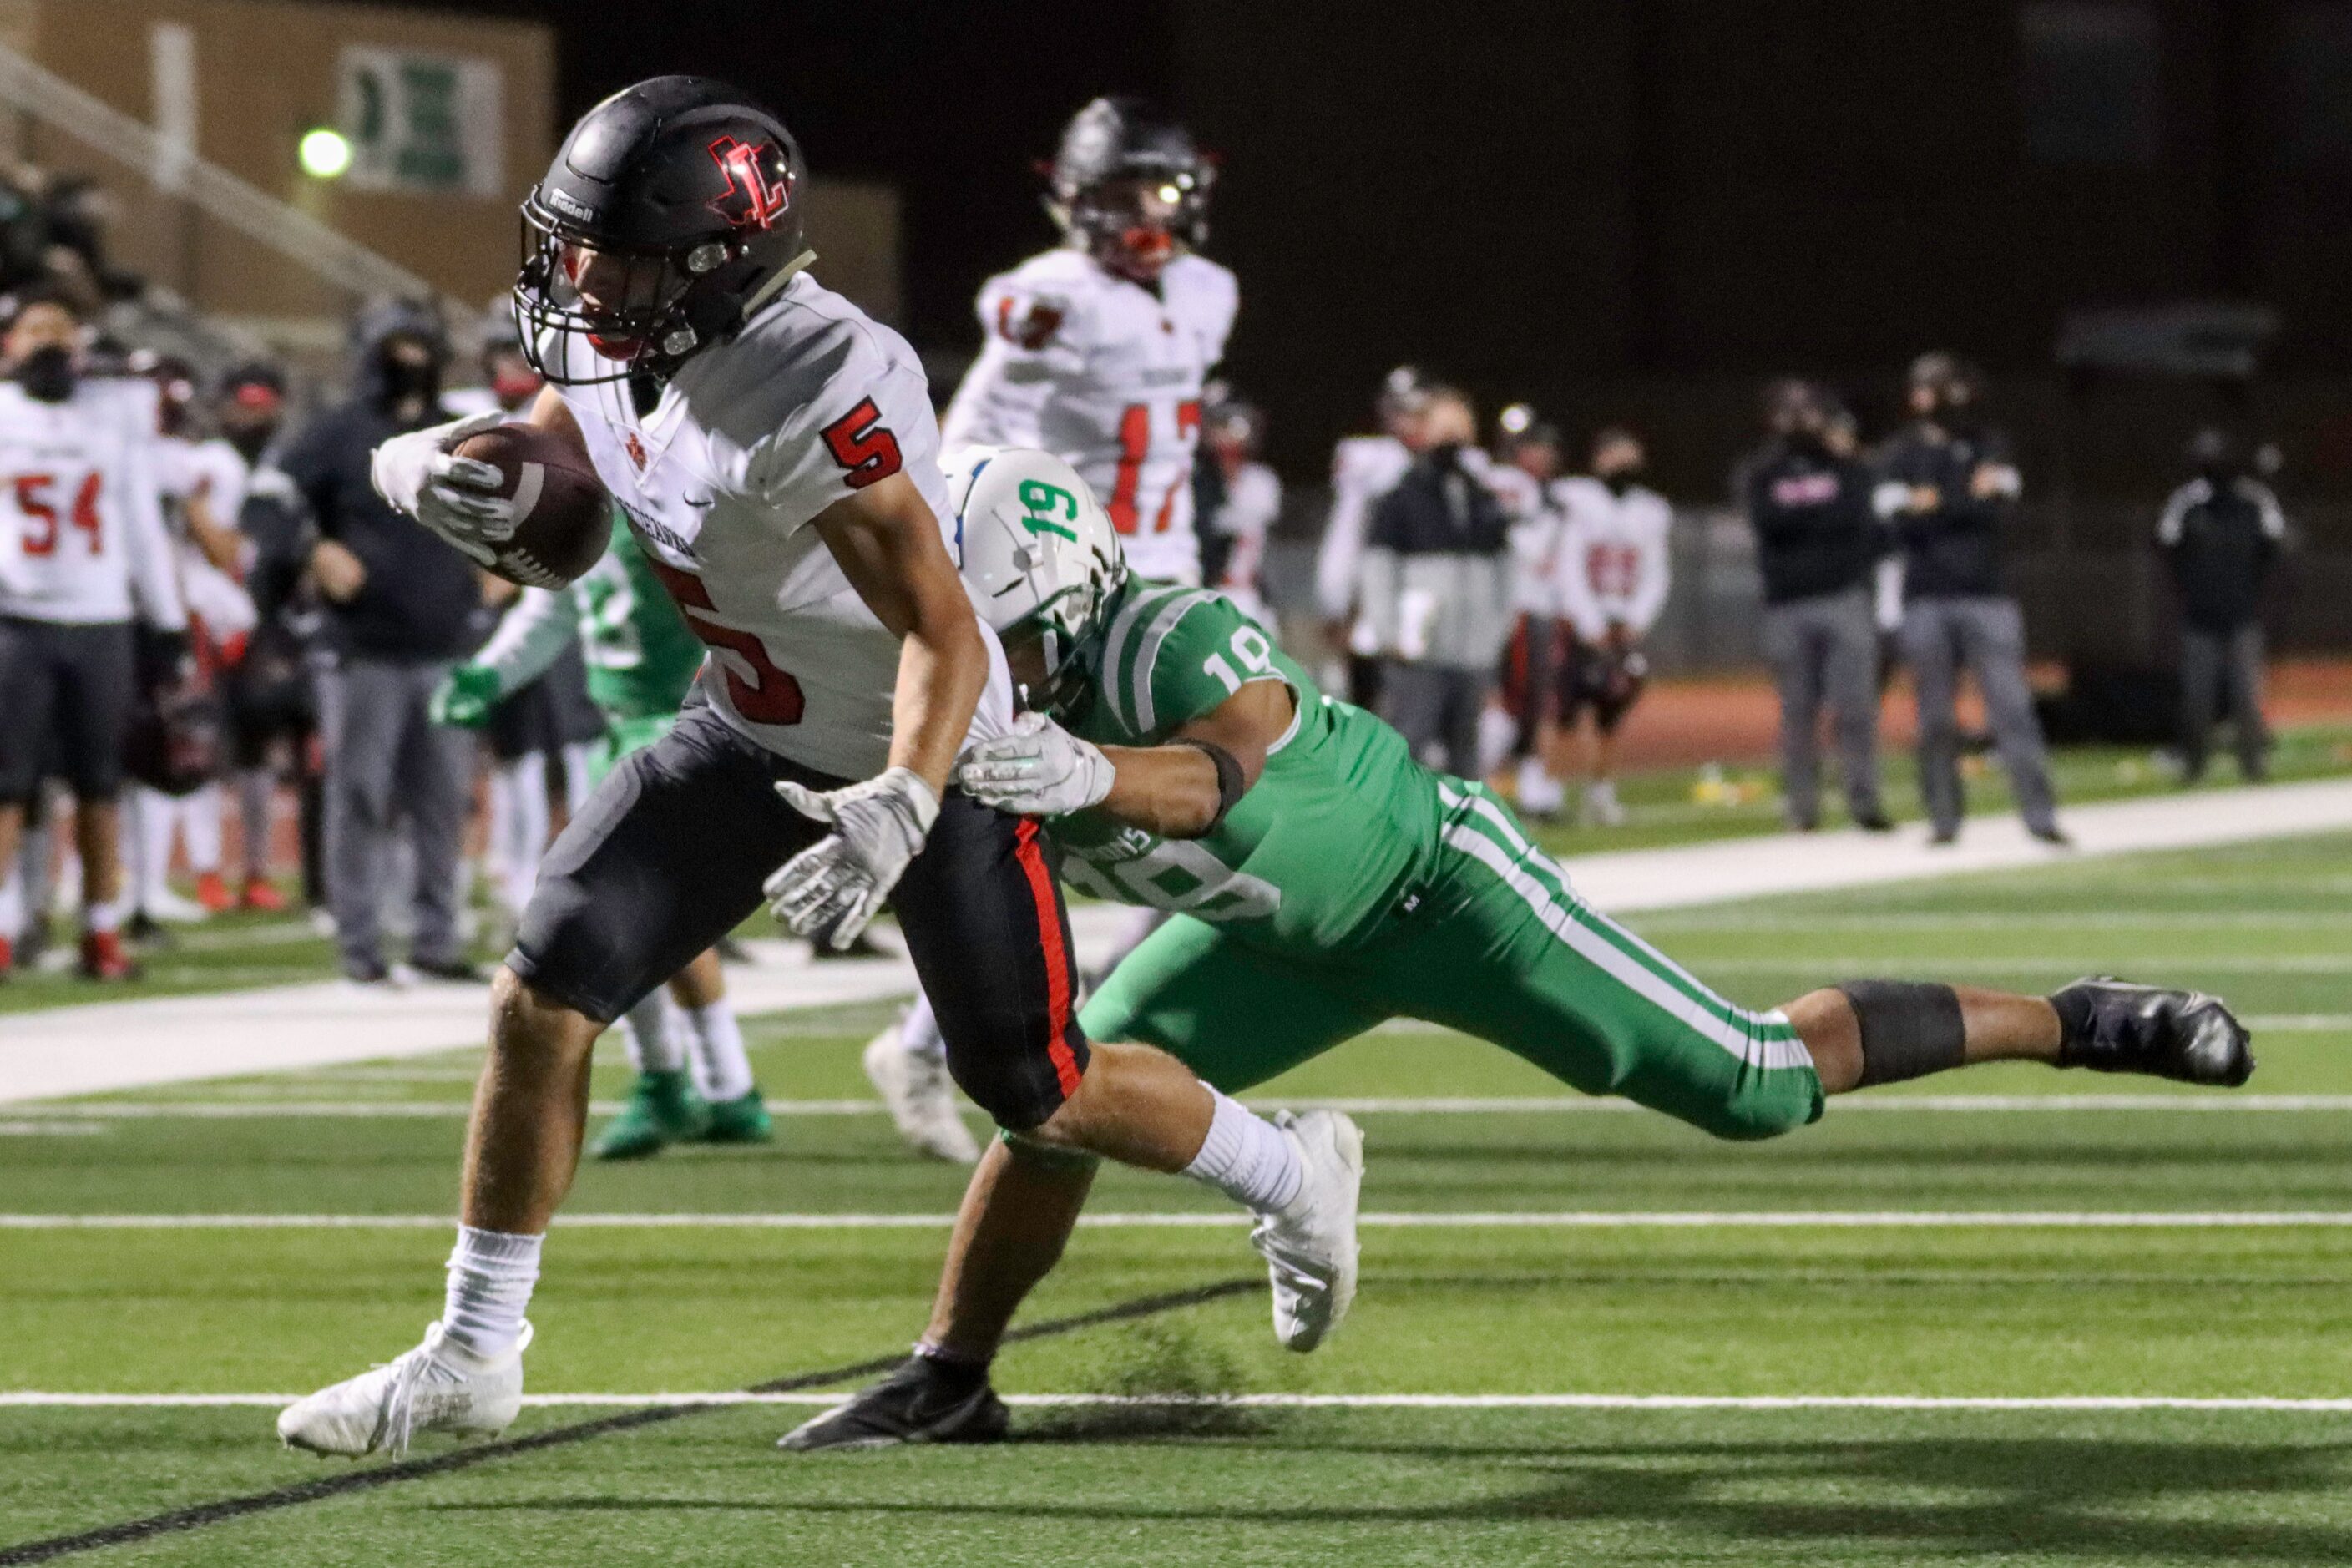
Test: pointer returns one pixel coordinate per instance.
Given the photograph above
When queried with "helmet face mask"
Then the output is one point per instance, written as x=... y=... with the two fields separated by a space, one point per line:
x=671 y=208
x=1129 y=187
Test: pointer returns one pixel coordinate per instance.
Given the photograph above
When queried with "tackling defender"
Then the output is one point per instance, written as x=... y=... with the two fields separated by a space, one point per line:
x=1325 y=882
x=776 y=453
x=642 y=660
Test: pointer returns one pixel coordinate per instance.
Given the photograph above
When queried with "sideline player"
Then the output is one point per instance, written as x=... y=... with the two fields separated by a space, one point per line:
x=1098 y=350
x=641 y=659
x=1614 y=573
x=1525 y=476
x=1327 y=882
x=777 y=455
x=1364 y=469
x=1234 y=543
x=83 y=549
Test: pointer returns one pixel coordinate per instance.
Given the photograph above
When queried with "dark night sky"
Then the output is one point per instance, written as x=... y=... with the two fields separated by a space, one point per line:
x=950 y=102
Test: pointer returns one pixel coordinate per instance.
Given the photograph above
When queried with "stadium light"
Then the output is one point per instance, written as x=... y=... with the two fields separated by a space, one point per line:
x=325 y=154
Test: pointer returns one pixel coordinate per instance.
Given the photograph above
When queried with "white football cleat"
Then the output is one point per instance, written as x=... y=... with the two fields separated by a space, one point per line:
x=1310 y=1246
x=437 y=1387
x=920 y=1098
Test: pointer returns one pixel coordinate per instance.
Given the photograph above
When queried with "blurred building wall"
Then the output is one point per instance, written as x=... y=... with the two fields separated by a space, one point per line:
x=264 y=73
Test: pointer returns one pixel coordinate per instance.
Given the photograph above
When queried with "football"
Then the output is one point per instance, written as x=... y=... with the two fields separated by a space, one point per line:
x=562 y=515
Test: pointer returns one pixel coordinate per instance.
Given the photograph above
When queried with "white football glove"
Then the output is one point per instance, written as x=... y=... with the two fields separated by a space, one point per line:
x=420 y=475
x=1038 y=770
x=829 y=891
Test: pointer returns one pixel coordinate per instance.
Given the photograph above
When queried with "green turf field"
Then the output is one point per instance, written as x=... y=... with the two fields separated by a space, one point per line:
x=1648 y=1262
x=239 y=951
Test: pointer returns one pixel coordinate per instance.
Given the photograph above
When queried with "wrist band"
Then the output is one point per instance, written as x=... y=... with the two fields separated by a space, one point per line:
x=1230 y=784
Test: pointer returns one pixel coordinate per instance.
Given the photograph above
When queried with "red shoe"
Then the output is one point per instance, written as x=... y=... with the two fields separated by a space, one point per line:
x=102 y=958
x=260 y=893
x=8 y=957
x=213 y=892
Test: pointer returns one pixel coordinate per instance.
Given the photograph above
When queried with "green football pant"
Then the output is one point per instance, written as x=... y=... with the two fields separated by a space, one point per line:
x=1499 y=948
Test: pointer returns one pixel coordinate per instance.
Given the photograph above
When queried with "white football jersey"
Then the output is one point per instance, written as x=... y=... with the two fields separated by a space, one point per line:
x=1253 y=501
x=82 y=538
x=1107 y=376
x=214 y=472
x=753 y=438
x=1613 y=561
x=1536 y=523
x=1364 y=469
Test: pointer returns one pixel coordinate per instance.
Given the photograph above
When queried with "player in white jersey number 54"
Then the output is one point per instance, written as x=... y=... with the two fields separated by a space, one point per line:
x=776 y=455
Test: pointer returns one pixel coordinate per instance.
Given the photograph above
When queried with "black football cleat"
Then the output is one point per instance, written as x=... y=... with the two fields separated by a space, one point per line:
x=924 y=1401
x=2112 y=1026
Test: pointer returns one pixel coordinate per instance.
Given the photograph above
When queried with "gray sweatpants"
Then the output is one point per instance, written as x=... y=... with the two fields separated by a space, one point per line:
x=1986 y=635
x=1825 y=650
x=389 y=768
x=1436 y=707
x=2221 y=677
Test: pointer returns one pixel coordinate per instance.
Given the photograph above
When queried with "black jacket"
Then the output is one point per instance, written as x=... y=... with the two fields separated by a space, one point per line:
x=1440 y=507
x=1954 y=550
x=422 y=599
x=1815 y=531
x=2220 y=535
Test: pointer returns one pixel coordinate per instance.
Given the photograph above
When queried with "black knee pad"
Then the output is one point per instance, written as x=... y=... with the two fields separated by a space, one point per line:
x=1909 y=1028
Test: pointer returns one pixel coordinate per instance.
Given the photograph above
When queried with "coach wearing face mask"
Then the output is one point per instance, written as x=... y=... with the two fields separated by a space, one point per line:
x=402 y=607
x=1947 y=485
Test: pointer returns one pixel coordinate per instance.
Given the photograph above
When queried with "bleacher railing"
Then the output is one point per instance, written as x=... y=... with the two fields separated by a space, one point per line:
x=324 y=251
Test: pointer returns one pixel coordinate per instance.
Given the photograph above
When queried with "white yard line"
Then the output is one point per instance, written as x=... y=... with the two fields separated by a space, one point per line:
x=127 y=1045
x=1572 y=1220
x=27 y=1399
x=87 y=1116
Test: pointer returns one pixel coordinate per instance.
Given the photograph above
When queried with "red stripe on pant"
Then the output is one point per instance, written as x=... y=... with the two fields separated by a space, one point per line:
x=1057 y=957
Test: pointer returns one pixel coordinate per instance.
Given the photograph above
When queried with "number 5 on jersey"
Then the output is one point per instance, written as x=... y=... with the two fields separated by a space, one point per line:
x=766 y=695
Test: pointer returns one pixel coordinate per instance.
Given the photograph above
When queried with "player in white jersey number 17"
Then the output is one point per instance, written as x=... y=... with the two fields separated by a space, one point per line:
x=775 y=452
x=1099 y=351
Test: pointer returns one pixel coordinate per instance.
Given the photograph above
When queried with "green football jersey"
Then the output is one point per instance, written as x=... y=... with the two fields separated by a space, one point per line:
x=641 y=657
x=1341 y=826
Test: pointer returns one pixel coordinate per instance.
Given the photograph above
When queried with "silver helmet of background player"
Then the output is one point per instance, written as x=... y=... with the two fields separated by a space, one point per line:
x=1129 y=185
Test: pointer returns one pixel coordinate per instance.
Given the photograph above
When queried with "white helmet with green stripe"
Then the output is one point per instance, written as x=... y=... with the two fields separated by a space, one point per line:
x=1038 y=552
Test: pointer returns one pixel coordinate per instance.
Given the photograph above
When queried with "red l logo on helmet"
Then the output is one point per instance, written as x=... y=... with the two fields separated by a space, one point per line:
x=750 y=199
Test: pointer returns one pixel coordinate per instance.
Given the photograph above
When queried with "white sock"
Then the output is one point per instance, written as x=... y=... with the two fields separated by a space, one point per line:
x=490 y=1277
x=152 y=821
x=200 y=828
x=1247 y=1158
x=721 y=1071
x=918 y=1030
x=103 y=916
x=12 y=904
x=575 y=776
x=648 y=1035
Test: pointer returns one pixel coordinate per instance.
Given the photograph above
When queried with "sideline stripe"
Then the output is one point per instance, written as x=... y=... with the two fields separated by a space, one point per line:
x=68 y=1117
x=1531 y=1219
x=179 y=1520
x=1305 y=1401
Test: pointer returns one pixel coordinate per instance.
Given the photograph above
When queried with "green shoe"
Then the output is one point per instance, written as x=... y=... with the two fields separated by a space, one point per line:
x=741 y=1121
x=662 y=1108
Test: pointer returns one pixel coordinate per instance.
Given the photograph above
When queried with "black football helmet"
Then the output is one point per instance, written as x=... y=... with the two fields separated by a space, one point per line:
x=1129 y=185
x=671 y=208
